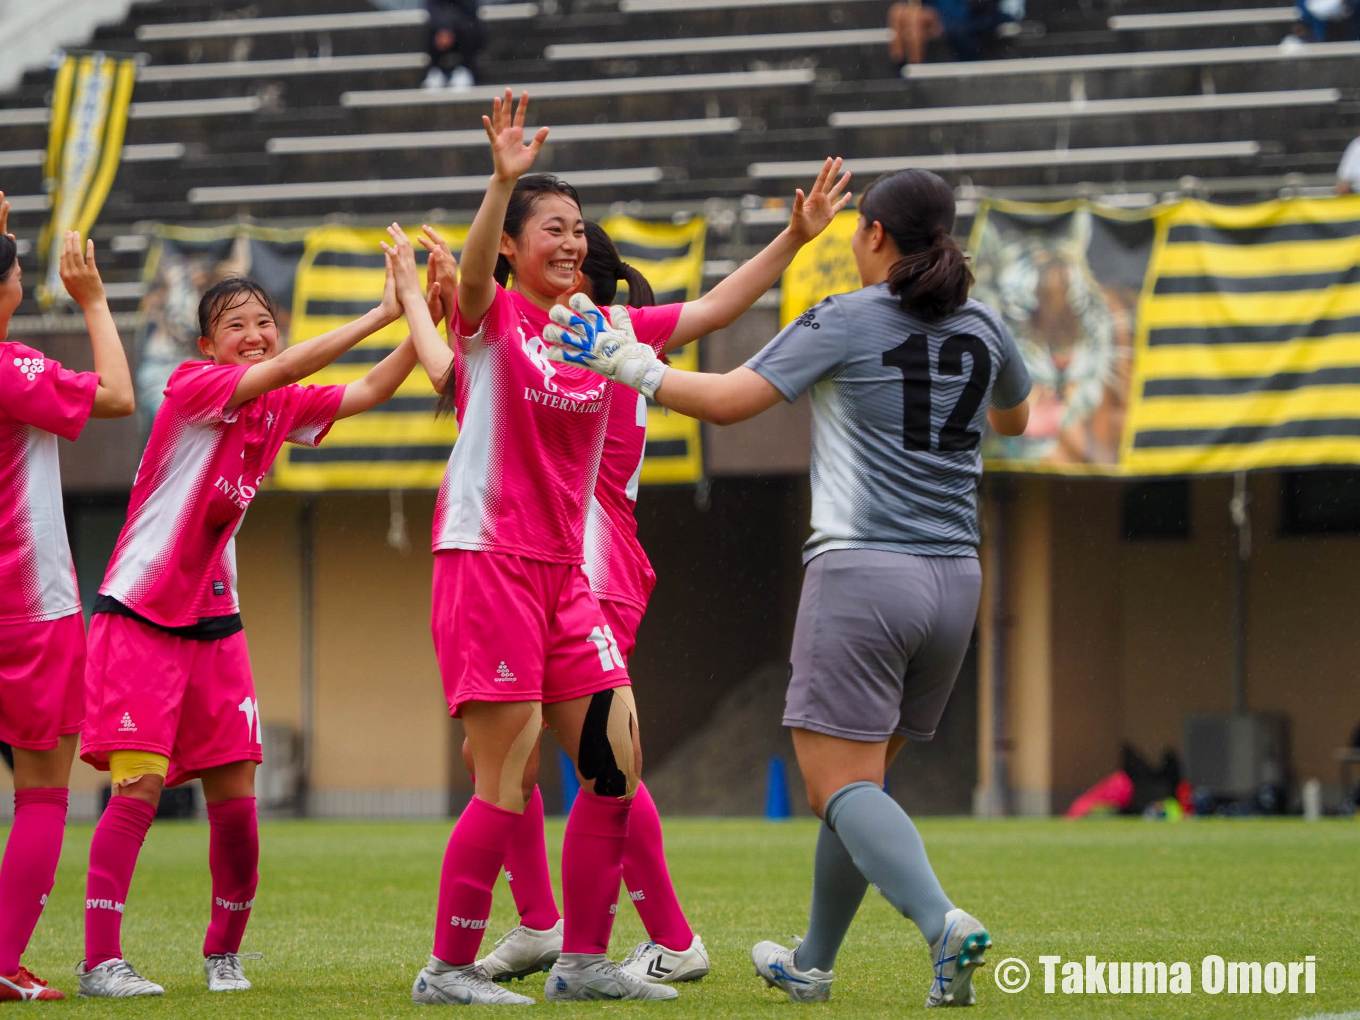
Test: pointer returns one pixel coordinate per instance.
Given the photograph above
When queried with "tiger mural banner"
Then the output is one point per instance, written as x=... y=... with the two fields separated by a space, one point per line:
x=1067 y=279
x=1186 y=338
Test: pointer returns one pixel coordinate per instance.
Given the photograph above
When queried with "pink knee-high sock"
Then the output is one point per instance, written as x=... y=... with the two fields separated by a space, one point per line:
x=113 y=856
x=29 y=868
x=649 y=880
x=234 y=860
x=526 y=869
x=471 y=863
x=592 y=868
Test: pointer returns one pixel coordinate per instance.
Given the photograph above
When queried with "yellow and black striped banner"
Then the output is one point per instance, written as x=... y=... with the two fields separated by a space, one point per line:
x=88 y=119
x=401 y=445
x=1249 y=340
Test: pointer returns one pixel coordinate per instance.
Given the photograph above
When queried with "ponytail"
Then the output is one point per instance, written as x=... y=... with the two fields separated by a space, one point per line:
x=934 y=283
x=931 y=279
x=604 y=268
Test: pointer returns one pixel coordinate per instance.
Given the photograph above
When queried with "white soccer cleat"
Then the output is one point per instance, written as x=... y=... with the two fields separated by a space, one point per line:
x=956 y=955
x=651 y=961
x=523 y=951
x=577 y=977
x=775 y=964
x=443 y=984
x=225 y=973
x=114 y=979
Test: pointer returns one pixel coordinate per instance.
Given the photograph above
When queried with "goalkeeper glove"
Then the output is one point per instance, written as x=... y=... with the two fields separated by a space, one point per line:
x=579 y=335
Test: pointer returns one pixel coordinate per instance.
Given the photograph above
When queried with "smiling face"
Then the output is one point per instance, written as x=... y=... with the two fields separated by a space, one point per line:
x=243 y=332
x=549 y=250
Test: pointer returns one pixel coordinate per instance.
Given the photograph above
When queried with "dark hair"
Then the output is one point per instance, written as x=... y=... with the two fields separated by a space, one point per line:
x=225 y=295
x=529 y=191
x=604 y=269
x=9 y=256
x=916 y=208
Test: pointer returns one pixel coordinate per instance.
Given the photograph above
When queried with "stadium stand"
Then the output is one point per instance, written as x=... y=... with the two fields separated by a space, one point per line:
x=316 y=110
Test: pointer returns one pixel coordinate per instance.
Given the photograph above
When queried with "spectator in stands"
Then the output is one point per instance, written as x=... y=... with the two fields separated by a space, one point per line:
x=1348 y=171
x=965 y=25
x=1314 y=16
x=454 y=37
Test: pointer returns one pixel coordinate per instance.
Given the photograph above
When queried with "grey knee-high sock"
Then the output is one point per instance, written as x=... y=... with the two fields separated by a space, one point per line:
x=837 y=890
x=887 y=849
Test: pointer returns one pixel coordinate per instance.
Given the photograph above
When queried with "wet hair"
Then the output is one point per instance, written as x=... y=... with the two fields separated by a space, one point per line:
x=225 y=295
x=9 y=256
x=604 y=269
x=916 y=207
x=529 y=191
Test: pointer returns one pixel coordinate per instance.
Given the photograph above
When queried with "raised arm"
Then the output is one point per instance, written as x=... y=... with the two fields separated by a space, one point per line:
x=380 y=381
x=80 y=275
x=430 y=347
x=311 y=356
x=717 y=399
x=512 y=159
x=724 y=304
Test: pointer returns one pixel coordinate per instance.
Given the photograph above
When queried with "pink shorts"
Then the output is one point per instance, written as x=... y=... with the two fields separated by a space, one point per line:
x=507 y=628
x=42 y=681
x=146 y=690
x=624 y=620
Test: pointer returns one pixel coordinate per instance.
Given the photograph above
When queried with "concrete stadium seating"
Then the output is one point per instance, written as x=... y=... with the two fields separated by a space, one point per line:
x=298 y=109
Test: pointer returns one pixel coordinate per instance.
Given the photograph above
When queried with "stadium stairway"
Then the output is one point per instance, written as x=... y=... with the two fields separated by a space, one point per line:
x=316 y=110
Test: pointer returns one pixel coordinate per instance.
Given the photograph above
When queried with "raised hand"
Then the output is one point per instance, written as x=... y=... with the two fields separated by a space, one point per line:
x=4 y=216
x=442 y=269
x=79 y=274
x=505 y=130
x=813 y=213
x=402 y=267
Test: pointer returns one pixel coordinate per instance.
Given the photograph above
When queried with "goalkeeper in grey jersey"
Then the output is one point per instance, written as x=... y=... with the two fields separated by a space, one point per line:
x=904 y=374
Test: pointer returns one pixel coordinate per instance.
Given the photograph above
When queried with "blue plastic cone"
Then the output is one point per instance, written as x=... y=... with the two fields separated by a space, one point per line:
x=777 y=791
x=570 y=786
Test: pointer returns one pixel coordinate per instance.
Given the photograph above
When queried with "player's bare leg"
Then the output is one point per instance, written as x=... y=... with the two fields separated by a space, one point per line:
x=29 y=870
x=233 y=859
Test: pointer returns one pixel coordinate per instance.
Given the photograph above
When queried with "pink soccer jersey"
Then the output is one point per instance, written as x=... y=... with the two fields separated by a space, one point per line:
x=175 y=561
x=615 y=561
x=39 y=401
x=530 y=432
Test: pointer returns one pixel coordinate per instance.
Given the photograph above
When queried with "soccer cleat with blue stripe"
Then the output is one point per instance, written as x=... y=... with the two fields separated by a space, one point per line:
x=956 y=955
x=775 y=964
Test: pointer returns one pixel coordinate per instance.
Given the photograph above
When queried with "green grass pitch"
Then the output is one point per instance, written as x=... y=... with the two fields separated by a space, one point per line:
x=345 y=912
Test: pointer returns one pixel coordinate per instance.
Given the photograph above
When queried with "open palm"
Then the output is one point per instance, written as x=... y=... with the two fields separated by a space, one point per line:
x=505 y=130
x=813 y=212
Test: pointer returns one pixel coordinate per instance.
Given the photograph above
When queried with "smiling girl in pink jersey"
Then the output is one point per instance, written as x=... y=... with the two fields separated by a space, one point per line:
x=519 y=635
x=42 y=634
x=170 y=694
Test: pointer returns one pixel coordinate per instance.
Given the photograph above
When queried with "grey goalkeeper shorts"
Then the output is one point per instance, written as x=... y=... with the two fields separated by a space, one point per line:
x=879 y=641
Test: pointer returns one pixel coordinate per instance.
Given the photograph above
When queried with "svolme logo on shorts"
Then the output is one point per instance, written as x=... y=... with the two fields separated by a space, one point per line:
x=127 y=725
x=1216 y=976
x=504 y=675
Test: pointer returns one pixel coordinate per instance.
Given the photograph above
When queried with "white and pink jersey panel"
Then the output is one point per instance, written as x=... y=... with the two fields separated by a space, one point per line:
x=39 y=401
x=175 y=561
x=616 y=564
x=530 y=432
